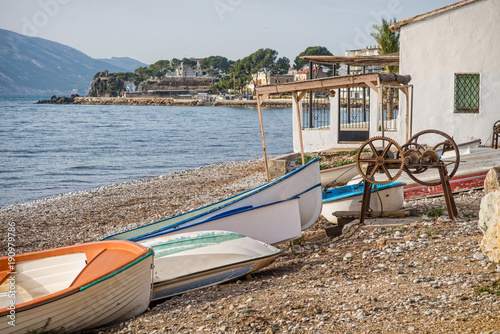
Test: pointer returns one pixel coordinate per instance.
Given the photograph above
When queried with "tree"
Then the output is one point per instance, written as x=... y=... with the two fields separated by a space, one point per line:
x=388 y=42
x=310 y=51
x=188 y=62
x=141 y=74
x=126 y=76
x=216 y=66
x=282 y=66
x=174 y=63
x=160 y=68
x=260 y=60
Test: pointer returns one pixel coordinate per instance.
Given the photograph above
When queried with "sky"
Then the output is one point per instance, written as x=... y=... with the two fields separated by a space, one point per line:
x=150 y=30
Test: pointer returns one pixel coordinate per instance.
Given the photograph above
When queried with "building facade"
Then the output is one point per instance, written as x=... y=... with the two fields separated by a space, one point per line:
x=453 y=57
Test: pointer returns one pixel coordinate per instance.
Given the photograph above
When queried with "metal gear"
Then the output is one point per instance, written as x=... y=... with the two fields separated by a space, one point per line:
x=448 y=144
x=380 y=160
x=430 y=157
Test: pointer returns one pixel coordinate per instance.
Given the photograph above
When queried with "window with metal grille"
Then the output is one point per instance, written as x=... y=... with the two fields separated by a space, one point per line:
x=466 y=93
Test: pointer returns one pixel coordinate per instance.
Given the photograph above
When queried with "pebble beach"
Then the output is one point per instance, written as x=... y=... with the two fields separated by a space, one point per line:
x=416 y=275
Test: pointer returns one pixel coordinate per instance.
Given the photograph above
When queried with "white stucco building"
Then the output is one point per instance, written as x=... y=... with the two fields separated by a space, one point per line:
x=453 y=57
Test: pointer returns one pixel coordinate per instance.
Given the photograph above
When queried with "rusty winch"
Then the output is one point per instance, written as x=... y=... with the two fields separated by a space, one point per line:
x=380 y=160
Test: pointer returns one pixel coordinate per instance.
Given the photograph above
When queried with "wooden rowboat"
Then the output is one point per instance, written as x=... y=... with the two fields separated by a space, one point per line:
x=304 y=183
x=458 y=184
x=73 y=288
x=474 y=165
x=272 y=223
x=338 y=175
x=348 y=198
x=194 y=260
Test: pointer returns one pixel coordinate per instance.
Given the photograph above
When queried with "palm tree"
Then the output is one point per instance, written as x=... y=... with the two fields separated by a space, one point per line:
x=388 y=42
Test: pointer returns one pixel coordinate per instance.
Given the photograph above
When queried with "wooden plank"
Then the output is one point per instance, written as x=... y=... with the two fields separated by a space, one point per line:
x=320 y=84
x=373 y=214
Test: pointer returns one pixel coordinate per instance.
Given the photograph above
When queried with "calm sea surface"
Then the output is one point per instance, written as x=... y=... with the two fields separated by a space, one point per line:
x=47 y=150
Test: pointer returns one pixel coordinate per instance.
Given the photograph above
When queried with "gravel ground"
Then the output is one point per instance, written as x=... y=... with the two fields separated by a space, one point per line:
x=425 y=275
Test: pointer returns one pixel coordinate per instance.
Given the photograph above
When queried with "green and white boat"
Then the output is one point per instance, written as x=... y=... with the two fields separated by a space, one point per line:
x=190 y=261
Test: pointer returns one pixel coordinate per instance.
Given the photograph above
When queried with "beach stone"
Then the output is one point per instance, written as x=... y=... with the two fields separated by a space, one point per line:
x=479 y=256
x=492 y=180
x=489 y=243
x=488 y=212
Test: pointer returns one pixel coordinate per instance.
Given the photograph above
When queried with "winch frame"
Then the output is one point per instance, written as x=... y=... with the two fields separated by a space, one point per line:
x=413 y=158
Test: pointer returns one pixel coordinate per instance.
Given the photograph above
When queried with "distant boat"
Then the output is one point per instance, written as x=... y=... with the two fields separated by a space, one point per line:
x=271 y=223
x=387 y=197
x=74 y=288
x=304 y=183
x=191 y=261
x=338 y=175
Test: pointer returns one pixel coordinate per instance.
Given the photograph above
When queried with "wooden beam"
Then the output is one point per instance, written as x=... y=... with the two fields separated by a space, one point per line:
x=360 y=80
x=301 y=95
x=297 y=99
x=372 y=85
x=259 y=108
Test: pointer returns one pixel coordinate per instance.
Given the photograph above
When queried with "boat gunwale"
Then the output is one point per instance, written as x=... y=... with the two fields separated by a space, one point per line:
x=141 y=254
x=359 y=192
x=215 y=207
x=254 y=259
x=170 y=228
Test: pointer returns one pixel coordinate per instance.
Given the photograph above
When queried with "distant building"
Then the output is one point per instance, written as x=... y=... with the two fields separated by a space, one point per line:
x=264 y=79
x=318 y=73
x=367 y=51
x=184 y=71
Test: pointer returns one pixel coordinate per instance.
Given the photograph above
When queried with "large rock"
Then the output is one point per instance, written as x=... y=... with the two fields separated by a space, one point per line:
x=492 y=180
x=489 y=243
x=488 y=212
x=489 y=222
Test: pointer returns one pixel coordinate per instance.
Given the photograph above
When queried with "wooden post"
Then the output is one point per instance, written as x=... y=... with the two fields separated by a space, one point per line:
x=297 y=99
x=260 y=99
x=381 y=106
x=407 y=118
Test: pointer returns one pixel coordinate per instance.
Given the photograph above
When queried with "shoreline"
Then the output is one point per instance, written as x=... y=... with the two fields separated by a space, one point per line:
x=163 y=101
x=383 y=279
x=91 y=215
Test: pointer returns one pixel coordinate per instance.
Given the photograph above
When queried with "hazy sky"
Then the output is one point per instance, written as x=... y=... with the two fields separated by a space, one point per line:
x=150 y=30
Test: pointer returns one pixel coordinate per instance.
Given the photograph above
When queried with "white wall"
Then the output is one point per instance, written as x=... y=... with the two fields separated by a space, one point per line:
x=325 y=138
x=465 y=40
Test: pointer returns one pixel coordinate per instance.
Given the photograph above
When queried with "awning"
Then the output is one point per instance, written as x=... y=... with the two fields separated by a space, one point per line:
x=391 y=59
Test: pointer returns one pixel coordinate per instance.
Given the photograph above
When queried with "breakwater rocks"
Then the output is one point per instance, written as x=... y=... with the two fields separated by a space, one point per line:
x=164 y=101
x=59 y=100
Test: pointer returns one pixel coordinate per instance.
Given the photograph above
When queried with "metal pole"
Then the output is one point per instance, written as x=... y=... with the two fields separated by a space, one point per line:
x=364 y=98
x=349 y=98
x=381 y=107
x=311 y=67
x=411 y=113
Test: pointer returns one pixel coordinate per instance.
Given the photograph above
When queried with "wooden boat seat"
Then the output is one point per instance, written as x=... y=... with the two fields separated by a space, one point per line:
x=38 y=278
x=107 y=258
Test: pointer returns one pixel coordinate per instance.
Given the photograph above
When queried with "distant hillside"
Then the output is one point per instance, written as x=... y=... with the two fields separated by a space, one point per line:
x=31 y=65
x=129 y=64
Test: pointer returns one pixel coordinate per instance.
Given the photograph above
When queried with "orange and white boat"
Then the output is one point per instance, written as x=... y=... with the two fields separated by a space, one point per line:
x=73 y=288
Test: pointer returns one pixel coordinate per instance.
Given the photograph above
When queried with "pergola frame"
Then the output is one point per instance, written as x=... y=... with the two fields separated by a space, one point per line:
x=375 y=81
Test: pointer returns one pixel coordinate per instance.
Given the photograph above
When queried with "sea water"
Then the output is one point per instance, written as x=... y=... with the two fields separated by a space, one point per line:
x=48 y=150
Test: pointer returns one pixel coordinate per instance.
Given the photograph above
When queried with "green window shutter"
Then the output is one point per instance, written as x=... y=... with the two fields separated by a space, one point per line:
x=466 y=93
